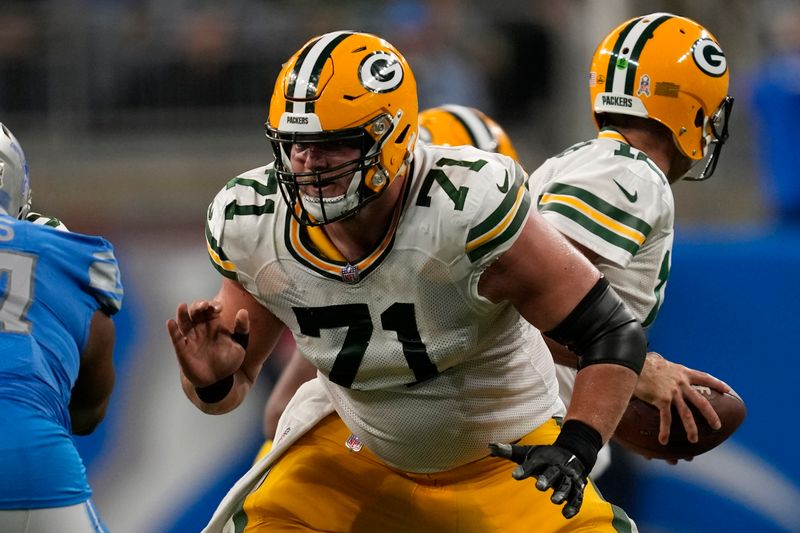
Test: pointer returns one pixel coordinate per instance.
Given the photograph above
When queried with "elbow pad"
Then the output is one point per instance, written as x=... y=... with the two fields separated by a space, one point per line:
x=601 y=329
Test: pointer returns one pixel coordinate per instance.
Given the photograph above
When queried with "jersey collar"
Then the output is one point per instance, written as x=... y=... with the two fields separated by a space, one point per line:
x=312 y=247
x=611 y=133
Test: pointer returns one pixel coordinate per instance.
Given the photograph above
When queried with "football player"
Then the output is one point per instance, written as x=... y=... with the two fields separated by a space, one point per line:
x=659 y=93
x=404 y=272
x=58 y=291
x=458 y=125
x=450 y=125
x=15 y=167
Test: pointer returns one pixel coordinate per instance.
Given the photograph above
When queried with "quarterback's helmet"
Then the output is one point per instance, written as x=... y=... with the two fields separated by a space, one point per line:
x=457 y=125
x=15 y=188
x=347 y=87
x=669 y=69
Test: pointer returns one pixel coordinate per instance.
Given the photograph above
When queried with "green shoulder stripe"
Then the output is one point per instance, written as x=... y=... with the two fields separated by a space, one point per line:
x=606 y=234
x=508 y=203
x=602 y=206
x=227 y=273
x=212 y=243
x=217 y=256
x=510 y=230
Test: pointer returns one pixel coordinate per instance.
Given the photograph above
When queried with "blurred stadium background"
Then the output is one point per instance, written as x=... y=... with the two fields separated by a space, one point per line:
x=133 y=113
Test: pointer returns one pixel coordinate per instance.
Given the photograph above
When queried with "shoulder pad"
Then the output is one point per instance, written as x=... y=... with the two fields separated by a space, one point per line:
x=252 y=194
x=38 y=218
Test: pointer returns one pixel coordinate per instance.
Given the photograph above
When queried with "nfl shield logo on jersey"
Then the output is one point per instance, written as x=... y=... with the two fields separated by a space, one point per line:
x=350 y=273
x=353 y=443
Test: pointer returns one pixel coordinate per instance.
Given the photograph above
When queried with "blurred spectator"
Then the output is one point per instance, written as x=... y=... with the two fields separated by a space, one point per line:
x=437 y=40
x=23 y=85
x=517 y=64
x=205 y=60
x=776 y=102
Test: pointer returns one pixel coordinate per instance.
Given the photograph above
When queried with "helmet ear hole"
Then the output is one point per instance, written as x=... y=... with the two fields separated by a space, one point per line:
x=401 y=138
x=698 y=119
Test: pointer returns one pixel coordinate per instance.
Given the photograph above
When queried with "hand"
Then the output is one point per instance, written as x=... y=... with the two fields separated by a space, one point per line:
x=553 y=466
x=205 y=348
x=665 y=384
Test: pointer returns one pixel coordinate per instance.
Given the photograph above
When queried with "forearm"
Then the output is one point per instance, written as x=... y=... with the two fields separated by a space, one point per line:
x=601 y=395
x=611 y=347
x=93 y=386
x=84 y=420
x=229 y=401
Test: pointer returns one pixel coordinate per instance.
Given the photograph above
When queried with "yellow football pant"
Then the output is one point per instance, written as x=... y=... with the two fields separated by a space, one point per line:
x=320 y=485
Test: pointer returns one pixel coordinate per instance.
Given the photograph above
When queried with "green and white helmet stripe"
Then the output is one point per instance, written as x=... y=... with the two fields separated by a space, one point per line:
x=307 y=70
x=476 y=128
x=622 y=65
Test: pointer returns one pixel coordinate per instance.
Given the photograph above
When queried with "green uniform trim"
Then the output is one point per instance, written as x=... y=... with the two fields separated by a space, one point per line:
x=212 y=243
x=602 y=206
x=510 y=231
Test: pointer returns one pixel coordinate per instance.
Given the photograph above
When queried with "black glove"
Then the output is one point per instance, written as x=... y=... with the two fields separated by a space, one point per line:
x=562 y=466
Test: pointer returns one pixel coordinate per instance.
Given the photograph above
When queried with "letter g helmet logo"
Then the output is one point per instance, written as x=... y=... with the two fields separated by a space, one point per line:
x=380 y=72
x=709 y=57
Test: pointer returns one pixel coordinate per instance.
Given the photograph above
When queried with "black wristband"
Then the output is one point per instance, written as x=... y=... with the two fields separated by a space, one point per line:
x=216 y=391
x=582 y=440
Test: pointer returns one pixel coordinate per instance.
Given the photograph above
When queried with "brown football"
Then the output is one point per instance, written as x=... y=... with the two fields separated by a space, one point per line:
x=638 y=429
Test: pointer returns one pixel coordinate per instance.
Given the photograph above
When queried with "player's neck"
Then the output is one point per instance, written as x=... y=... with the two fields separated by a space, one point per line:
x=652 y=143
x=357 y=236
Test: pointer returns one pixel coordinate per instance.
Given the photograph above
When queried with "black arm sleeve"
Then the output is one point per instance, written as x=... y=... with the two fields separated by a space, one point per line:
x=601 y=329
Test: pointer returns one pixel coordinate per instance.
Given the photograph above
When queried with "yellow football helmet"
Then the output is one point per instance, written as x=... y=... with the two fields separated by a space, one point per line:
x=456 y=125
x=669 y=69
x=346 y=87
x=15 y=187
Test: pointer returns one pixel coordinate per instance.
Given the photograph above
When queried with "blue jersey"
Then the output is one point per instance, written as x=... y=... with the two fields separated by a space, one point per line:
x=51 y=284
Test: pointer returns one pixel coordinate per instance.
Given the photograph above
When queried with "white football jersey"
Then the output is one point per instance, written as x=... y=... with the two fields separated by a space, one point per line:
x=612 y=199
x=420 y=367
